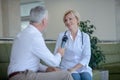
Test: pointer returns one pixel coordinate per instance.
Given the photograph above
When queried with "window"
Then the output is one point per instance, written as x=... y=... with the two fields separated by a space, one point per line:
x=25 y=9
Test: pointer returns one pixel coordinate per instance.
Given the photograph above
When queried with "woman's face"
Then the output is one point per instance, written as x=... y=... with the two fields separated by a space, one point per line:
x=70 y=21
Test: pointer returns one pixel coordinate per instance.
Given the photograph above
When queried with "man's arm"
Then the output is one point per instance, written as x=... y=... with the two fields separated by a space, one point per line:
x=40 y=50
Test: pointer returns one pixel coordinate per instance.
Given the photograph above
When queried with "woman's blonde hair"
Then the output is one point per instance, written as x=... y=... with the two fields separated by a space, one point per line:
x=75 y=13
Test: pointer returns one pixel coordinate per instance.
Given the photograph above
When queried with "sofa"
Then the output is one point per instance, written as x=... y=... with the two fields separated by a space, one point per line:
x=111 y=51
x=112 y=63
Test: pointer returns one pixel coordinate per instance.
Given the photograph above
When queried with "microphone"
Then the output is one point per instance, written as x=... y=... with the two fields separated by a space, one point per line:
x=64 y=40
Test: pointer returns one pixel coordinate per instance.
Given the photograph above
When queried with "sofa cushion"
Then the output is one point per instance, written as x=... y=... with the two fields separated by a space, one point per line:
x=3 y=71
x=5 y=50
x=113 y=68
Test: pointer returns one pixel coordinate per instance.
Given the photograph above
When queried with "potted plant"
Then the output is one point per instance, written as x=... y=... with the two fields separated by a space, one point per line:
x=97 y=55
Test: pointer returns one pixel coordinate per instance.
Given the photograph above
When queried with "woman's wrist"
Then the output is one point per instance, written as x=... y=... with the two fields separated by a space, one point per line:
x=71 y=69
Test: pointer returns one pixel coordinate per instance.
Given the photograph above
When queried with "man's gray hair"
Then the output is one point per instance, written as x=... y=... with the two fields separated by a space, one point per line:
x=37 y=14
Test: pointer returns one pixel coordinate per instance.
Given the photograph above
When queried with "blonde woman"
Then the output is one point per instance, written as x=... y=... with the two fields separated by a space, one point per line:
x=77 y=48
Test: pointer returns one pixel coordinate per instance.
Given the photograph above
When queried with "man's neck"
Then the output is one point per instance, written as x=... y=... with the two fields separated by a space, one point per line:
x=38 y=26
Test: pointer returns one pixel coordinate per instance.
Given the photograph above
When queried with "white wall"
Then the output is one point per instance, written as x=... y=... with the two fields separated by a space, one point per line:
x=10 y=17
x=14 y=17
x=118 y=19
x=100 y=12
x=0 y=21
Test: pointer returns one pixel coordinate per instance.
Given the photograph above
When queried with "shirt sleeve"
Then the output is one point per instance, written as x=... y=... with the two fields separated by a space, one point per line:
x=42 y=52
x=86 y=52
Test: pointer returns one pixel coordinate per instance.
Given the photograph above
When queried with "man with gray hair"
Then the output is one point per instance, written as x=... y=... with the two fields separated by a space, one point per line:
x=29 y=48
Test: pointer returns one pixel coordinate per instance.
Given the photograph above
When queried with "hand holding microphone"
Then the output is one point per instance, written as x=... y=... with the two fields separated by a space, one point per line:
x=64 y=40
x=61 y=51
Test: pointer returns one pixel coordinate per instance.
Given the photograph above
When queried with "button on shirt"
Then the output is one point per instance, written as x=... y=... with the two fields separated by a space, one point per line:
x=76 y=51
x=27 y=50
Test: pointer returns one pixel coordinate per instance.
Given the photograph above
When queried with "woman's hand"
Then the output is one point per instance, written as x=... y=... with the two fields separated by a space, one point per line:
x=76 y=67
x=71 y=69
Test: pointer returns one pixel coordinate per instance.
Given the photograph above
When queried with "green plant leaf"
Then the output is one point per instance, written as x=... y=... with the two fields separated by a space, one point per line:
x=97 y=55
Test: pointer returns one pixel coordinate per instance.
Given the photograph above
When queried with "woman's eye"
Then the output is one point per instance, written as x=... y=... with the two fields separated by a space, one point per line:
x=65 y=20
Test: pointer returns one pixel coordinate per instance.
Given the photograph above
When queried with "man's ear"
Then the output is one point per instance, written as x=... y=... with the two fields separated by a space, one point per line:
x=43 y=21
